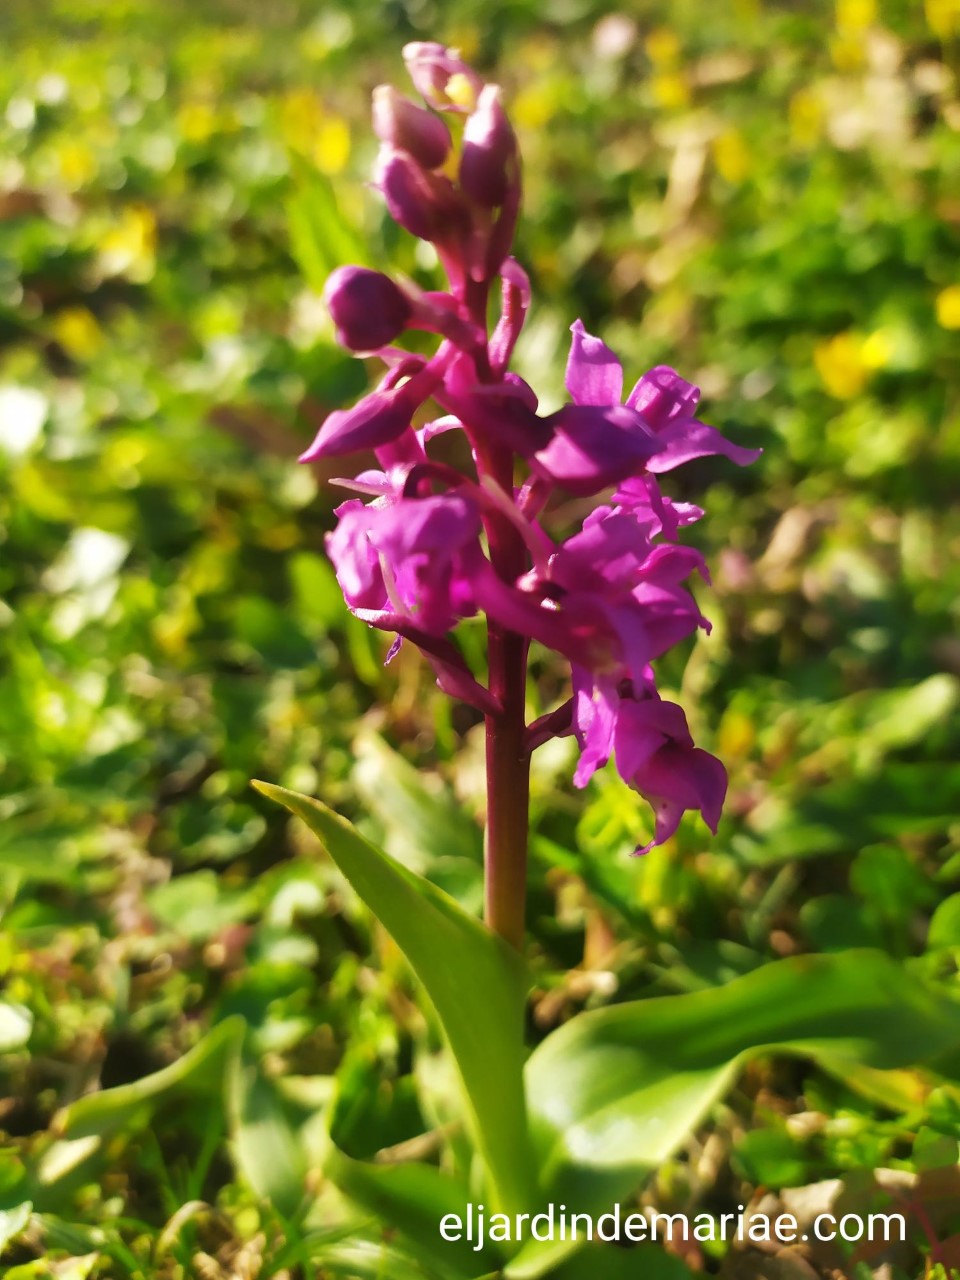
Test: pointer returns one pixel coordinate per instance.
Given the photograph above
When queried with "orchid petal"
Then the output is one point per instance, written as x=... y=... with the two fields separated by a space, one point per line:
x=593 y=448
x=594 y=374
x=683 y=441
x=661 y=396
x=378 y=418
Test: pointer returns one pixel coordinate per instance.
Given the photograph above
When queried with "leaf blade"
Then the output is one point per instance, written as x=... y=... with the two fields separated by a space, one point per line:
x=476 y=983
x=616 y=1091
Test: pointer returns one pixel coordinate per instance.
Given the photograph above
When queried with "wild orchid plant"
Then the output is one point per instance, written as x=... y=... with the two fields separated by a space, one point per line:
x=435 y=545
x=603 y=1101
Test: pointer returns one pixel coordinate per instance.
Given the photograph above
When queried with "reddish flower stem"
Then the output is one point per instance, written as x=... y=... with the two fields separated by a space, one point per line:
x=508 y=758
x=508 y=755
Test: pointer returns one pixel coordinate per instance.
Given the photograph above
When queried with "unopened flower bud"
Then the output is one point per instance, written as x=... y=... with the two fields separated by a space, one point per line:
x=488 y=164
x=407 y=127
x=441 y=75
x=368 y=309
x=423 y=203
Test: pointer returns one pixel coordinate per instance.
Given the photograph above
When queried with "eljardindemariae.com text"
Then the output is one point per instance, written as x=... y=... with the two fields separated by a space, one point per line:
x=557 y=1222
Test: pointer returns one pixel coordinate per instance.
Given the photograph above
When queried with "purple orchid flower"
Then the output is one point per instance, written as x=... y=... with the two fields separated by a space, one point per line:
x=408 y=557
x=436 y=545
x=656 y=755
x=599 y=442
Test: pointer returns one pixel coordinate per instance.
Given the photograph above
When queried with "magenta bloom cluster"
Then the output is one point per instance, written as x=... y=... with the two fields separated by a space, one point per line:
x=424 y=545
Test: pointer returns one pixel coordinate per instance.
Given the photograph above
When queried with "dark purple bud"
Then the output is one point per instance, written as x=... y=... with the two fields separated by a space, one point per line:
x=442 y=76
x=423 y=203
x=368 y=309
x=407 y=127
x=488 y=165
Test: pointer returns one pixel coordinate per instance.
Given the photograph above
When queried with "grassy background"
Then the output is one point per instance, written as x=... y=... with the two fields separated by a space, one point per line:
x=763 y=195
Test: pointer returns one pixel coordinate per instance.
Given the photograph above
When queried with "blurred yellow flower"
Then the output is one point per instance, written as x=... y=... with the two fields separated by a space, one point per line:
x=943 y=17
x=77 y=331
x=538 y=55
x=77 y=164
x=533 y=107
x=196 y=121
x=301 y=115
x=670 y=90
x=846 y=361
x=732 y=155
x=466 y=39
x=129 y=247
x=855 y=15
x=331 y=148
x=876 y=350
x=948 y=307
x=662 y=46
x=848 y=51
x=315 y=132
x=736 y=735
x=806 y=118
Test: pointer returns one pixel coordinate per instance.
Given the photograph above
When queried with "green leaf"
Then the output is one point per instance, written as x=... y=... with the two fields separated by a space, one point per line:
x=266 y=1140
x=316 y=592
x=62 y=1269
x=198 y=905
x=424 y=827
x=129 y=1106
x=16 y=1023
x=616 y=1262
x=85 y=1127
x=364 y=1260
x=945 y=924
x=902 y=717
x=477 y=985
x=932 y=1150
x=415 y=1198
x=320 y=236
x=771 y=1157
x=900 y=799
x=615 y=1092
x=835 y=922
x=13 y=1221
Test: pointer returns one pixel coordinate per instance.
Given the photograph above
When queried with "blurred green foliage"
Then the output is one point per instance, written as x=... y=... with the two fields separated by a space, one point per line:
x=764 y=195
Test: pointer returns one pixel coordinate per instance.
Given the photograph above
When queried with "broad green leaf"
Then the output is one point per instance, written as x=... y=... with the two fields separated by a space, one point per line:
x=424 y=827
x=615 y=1092
x=945 y=924
x=901 y=717
x=932 y=1150
x=13 y=1221
x=64 y=1269
x=899 y=799
x=316 y=591
x=85 y=1127
x=266 y=1140
x=129 y=1106
x=45 y=856
x=320 y=236
x=619 y=1262
x=364 y=1260
x=198 y=905
x=414 y=1198
x=476 y=983
x=16 y=1023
